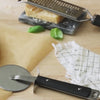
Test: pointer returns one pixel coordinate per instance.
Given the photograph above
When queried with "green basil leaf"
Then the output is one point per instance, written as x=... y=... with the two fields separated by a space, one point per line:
x=56 y=33
x=36 y=29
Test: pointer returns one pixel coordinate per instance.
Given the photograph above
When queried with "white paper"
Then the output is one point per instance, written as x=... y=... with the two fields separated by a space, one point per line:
x=82 y=66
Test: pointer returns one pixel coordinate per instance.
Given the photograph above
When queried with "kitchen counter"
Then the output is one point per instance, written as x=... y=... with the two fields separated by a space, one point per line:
x=17 y=46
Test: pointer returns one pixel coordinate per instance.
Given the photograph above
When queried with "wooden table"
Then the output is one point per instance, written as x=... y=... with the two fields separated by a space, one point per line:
x=87 y=36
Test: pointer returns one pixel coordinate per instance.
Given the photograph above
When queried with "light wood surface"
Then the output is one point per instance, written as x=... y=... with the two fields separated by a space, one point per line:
x=87 y=36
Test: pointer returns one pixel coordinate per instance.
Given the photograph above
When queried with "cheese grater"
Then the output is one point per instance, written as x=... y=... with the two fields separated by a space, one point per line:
x=59 y=7
x=65 y=9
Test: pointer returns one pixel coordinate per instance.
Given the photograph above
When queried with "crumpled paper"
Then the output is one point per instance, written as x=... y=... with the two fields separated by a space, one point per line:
x=82 y=66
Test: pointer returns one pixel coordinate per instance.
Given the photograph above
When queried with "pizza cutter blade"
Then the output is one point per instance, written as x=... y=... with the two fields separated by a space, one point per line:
x=6 y=81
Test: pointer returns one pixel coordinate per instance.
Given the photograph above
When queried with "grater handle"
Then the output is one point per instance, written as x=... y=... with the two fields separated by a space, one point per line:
x=96 y=20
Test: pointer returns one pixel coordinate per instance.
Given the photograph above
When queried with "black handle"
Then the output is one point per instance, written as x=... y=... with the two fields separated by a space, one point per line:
x=96 y=20
x=64 y=87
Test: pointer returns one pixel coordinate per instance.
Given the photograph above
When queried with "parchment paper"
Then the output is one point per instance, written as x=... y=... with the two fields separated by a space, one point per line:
x=21 y=48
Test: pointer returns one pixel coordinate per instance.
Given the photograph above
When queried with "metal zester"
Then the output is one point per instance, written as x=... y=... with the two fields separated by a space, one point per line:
x=59 y=7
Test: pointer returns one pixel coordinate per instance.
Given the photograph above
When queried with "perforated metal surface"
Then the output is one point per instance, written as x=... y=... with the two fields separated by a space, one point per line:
x=60 y=7
x=6 y=82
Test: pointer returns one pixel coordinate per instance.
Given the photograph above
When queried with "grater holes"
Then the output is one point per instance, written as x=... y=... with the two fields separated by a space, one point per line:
x=38 y=1
x=61 y=4
x=71 y=10
x=60 y=7
x=35 y=1
x=51 y=4
x=77 y=8
x=56 y=5
x=43 y=2
x=70 y=6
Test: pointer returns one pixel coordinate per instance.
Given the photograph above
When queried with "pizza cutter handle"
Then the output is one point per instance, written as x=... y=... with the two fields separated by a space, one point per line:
x=64 y=87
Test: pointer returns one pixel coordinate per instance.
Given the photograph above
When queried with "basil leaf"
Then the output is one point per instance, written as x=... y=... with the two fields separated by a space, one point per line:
x=36 y=29
x=56 y=33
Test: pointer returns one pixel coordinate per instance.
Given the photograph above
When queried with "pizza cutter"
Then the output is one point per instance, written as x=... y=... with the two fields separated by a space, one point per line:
x=16 y=78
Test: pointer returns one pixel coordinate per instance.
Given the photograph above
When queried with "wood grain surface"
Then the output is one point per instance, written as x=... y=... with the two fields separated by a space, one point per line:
x=87 y=36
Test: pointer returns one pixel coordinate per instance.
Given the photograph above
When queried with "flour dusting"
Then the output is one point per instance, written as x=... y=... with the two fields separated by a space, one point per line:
x=82 y=66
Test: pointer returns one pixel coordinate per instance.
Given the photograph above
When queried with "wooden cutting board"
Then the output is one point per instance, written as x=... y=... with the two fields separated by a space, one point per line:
x=31 y=50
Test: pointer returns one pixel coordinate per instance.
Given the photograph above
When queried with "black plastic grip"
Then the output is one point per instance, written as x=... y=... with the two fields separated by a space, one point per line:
x=96 y=20
x=64 y=87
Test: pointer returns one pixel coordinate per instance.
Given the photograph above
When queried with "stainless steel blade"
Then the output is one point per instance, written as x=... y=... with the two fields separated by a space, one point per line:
x=24 y=78
x=6 y=82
